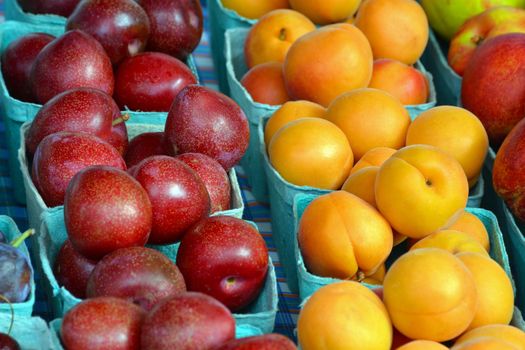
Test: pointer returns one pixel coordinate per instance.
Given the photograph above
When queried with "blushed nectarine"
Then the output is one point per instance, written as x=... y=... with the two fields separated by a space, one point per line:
x=290 y=111
x=327 y=62
x=421 y=189
x=374 y=157
x=396 y=29
x=271 y=37
x=344 y=316
x=495 y=293
x=511 y=334
x=369 y=118
x=356 y=235
x=265 y=83
x=328 y=11
x=254 y=8
x=311 y=152
x=456 y=131
x=472 y=225
x=430 y=294
x=402 y=81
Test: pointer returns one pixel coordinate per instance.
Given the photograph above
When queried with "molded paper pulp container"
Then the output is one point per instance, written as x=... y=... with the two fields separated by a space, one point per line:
x=235 y=70
x=261 y=314
x=309 y=283
x=221 y=19
x=241 y=331
x=9 y=228
x=35 y=203
x=15 y=112
x=512 y=231
x=32 y=333
x=13 y=12
x=282 y=193
x=447 y=82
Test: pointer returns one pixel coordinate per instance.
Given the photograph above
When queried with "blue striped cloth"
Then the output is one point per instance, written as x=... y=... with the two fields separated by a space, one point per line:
x=254 y=211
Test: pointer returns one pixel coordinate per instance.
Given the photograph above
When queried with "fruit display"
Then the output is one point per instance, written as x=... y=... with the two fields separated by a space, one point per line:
x=383 y=230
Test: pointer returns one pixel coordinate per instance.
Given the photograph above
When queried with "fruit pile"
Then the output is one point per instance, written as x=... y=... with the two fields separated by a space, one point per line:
x=189 y=320
x=101 y=50
x=310 y=146
x=83 y=127
x=485 y=46
x=347 y=315
x=149 y=257
x=282 y=53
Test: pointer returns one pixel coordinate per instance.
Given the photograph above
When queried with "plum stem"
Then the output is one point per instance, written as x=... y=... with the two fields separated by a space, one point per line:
x=2 y=297
x=123 y=118
x=17 y=241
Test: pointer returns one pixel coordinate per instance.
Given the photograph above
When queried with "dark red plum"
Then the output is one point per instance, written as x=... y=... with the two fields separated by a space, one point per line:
x=102 y=323
x=140 y=275
x=176 y=26
x=146 y=145
x=61 y=155
x=106 y=209
x=72 y=60
x=72 y=270
x=17 y=61
x=16 y=272
x=260 y=342
x=226 y=258
x=78 y=110
x=187 y=321
x=178 y=196
x=121 y=26
x=150 y=81
x=214 y=177
x=53 y=7
x=193 y=125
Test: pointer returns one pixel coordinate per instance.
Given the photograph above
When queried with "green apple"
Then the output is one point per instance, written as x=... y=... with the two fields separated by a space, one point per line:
x=490 y=23
x=446 y=16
